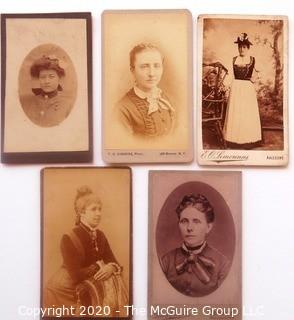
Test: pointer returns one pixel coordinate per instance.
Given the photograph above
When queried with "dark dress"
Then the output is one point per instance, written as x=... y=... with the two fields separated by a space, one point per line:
x=243 y=72
x=134 y=115
x=83 y=265
x=80 y=253
x=191 y=279
x=47 y=109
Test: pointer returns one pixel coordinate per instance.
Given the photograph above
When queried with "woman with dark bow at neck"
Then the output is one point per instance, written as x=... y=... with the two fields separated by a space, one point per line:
x=195 y=268
x=242 y=128
x=145 y=110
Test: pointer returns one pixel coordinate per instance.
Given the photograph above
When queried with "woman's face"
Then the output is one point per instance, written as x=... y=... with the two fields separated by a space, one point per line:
x=147 y=69
x=193 y=226
x=243 y=50
x=92 y=214
x=49 y=80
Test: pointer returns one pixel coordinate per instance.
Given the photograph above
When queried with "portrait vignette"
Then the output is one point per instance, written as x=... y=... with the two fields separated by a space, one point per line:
x=227 y=185
x=66 y=137
x=174 y=99
x=221 y=132
x=29 y=85
x=163 y=242
x=100 y=180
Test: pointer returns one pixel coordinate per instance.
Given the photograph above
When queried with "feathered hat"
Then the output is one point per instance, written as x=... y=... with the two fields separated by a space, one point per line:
x=243 y=40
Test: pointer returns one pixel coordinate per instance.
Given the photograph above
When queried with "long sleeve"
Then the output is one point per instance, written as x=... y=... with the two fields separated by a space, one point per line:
x=81 y=255
x=74 y=261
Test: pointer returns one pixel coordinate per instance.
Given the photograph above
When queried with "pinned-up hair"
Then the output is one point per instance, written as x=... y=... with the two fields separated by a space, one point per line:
x=139 y=48
x=84 y=198
x=198 y=201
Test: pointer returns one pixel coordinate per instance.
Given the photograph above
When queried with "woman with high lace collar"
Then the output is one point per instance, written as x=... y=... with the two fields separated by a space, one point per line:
x=195 y=268
x=145 y=110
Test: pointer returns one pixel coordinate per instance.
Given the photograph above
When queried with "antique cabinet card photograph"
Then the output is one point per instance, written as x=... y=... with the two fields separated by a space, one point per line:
x=46 y=87
x=242 y=90
x=195 y=245
x=86 y=242
x=147 y=86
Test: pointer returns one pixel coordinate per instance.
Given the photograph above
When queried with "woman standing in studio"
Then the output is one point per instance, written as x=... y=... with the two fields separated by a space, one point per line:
x=242 y=128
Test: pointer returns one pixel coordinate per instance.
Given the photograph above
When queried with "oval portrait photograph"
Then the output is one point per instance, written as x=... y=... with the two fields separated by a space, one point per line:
x=47 y=85
x=195 y=239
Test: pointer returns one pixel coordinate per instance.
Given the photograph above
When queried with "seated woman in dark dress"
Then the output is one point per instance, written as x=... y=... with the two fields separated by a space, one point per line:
x=90 y=273
x=145 y=110
x=196 y=268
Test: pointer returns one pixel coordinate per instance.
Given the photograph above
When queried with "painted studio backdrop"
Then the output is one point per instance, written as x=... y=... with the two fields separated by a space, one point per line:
x=266 y=37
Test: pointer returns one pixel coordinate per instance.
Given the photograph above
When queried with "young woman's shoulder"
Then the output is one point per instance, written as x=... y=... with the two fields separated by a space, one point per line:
x=126 y=98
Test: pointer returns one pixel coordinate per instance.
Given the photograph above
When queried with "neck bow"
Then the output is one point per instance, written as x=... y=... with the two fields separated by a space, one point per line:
x=195 y=262
x=154 y=99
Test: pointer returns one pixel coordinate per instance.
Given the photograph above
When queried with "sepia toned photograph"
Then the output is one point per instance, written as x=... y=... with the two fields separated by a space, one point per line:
x=195 y=255
x=46 y=88
x=47 y=85
x=243 y=90
x=146 y=89
x=86 y=257
x=159 y=116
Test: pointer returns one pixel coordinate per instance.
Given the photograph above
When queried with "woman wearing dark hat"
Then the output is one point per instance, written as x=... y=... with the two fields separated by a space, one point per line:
x=196 y=268
x=48 y=105
x=90 y=274
x=242 y=128
x=145 y=110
